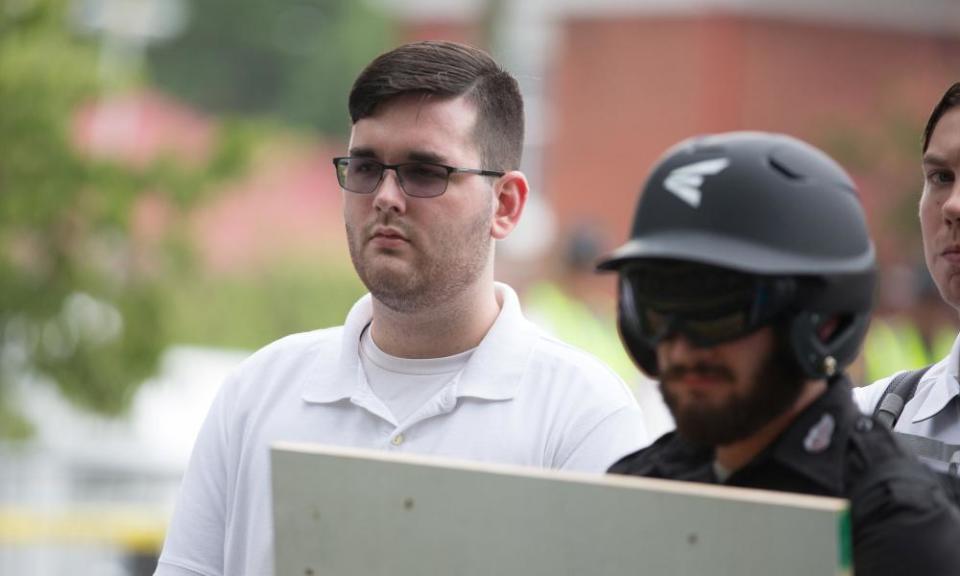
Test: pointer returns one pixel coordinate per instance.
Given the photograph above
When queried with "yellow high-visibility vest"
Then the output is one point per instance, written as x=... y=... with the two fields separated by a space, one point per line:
x=895 y=344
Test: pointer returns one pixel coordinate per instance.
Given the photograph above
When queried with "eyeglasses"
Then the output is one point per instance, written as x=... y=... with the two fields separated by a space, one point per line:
x=707 y=305
x=417 y=179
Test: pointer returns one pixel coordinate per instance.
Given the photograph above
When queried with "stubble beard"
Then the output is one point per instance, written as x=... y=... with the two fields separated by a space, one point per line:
x=429 y=280
x=775 y=387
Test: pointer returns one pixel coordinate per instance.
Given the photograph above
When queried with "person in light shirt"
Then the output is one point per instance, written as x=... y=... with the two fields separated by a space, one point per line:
x=438 y=357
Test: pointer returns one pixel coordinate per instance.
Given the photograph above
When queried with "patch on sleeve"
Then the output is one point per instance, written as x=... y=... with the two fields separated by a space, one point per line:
x=820 y=434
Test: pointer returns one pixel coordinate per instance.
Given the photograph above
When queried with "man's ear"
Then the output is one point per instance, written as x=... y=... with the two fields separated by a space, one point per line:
x=511 y=192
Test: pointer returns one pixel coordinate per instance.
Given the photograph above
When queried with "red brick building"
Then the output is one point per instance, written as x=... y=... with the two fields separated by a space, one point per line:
x=624 y=80
x=624 y=89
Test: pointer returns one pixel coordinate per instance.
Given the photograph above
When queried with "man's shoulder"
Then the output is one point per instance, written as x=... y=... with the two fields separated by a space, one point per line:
x=903 y=519
x=555 y=365
x=877 y=462
x=867 y=397
x=280 y=369
x=551 y=351
x=871 y=443
x=520 y=340
x=296 y=345
x=291 y=353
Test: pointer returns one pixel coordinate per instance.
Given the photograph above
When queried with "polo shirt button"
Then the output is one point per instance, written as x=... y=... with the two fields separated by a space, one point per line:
x=397 y=440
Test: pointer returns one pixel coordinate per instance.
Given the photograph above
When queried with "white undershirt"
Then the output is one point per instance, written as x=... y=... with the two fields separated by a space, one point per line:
x=406 y=384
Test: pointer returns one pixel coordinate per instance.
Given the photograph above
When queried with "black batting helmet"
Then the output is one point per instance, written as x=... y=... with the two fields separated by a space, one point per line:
x=761 y=206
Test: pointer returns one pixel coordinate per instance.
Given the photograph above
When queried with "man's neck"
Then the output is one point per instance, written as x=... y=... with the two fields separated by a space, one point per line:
x=442 y=330
x=734 y=456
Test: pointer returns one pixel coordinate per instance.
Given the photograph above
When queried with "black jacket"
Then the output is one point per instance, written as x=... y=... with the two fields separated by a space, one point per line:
x=903 y=523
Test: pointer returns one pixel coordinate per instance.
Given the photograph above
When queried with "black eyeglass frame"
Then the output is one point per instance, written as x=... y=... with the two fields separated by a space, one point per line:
x=343 y=161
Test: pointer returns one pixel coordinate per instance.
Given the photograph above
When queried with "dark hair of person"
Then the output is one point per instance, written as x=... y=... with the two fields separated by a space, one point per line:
x=450 y=70
x=950 y=99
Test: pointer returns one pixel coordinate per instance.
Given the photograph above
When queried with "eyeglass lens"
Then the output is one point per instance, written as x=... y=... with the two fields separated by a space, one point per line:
x=419 y=179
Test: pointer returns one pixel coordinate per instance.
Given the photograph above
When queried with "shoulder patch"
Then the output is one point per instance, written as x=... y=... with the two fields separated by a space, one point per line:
x=820 y=435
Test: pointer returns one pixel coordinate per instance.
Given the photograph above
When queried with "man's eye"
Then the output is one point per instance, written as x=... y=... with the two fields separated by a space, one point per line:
x=363 y=167
x=940 y=177
x=426 y=171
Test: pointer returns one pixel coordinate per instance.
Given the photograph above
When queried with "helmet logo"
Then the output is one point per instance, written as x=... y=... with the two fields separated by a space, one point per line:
x=685 y=181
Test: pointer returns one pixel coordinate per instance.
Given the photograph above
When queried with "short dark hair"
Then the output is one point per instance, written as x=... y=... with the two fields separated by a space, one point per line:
x=448 y=70
x=949 y=99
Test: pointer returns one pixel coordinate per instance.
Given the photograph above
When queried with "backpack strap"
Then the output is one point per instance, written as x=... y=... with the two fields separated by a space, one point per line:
x=899 y=391
x=933 y=449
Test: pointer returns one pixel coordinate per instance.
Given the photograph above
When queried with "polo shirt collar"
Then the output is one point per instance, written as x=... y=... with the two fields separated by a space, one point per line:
x=343 y=380
x=496 y=368
x=946 y=387
x=493 y=372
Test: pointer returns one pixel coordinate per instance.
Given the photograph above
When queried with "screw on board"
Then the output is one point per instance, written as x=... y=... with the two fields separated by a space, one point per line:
x=408 y=503
x=308 y=572
x=692 y=539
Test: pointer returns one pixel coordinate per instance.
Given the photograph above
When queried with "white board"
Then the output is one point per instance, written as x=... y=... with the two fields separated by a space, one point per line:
x=350 y=512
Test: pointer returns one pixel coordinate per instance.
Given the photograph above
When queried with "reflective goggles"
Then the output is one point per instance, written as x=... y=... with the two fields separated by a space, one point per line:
x=705 y=304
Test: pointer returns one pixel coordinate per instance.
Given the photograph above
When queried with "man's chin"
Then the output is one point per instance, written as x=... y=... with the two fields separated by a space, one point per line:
x=713 y=425
x=700 y=396
x=395 y=290
x=703 y=434
x=387 y=271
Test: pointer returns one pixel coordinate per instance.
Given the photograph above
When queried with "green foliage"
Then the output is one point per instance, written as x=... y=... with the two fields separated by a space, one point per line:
x=291 y=59
x=247 y=313
x=12 y=424
x=76 y=302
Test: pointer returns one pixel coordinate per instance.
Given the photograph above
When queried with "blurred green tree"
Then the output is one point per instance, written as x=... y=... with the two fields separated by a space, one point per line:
x=76 y=303
x=291 y=59
x=251 y=310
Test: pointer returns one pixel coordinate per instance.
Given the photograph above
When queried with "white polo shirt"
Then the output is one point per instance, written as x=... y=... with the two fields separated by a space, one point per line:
x=934 y=410
x=523 y=398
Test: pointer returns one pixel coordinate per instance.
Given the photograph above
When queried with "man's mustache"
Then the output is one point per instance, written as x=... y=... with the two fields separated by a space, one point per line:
x=390 y=220
x=701 y=369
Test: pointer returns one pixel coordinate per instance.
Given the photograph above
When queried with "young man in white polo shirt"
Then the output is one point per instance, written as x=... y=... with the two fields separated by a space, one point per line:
x=438 y=357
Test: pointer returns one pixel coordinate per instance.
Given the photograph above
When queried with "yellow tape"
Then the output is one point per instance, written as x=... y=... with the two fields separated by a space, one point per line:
x=135 y=530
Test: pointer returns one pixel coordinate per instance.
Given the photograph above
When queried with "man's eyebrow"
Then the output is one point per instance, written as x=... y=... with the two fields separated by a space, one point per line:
x=362 y=152
x=424 y=156
x=935 y=160
x=412 y=156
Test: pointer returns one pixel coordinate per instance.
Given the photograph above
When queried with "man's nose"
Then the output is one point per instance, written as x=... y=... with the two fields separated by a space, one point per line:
x=676 y=346
x=951 y=207
x=389 y=196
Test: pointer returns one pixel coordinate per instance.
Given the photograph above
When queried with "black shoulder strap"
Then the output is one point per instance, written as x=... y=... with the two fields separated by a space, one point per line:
x=895 y=397
x=951 y=485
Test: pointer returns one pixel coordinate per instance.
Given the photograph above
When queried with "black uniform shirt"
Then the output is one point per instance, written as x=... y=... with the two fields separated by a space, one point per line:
x=902 y=521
